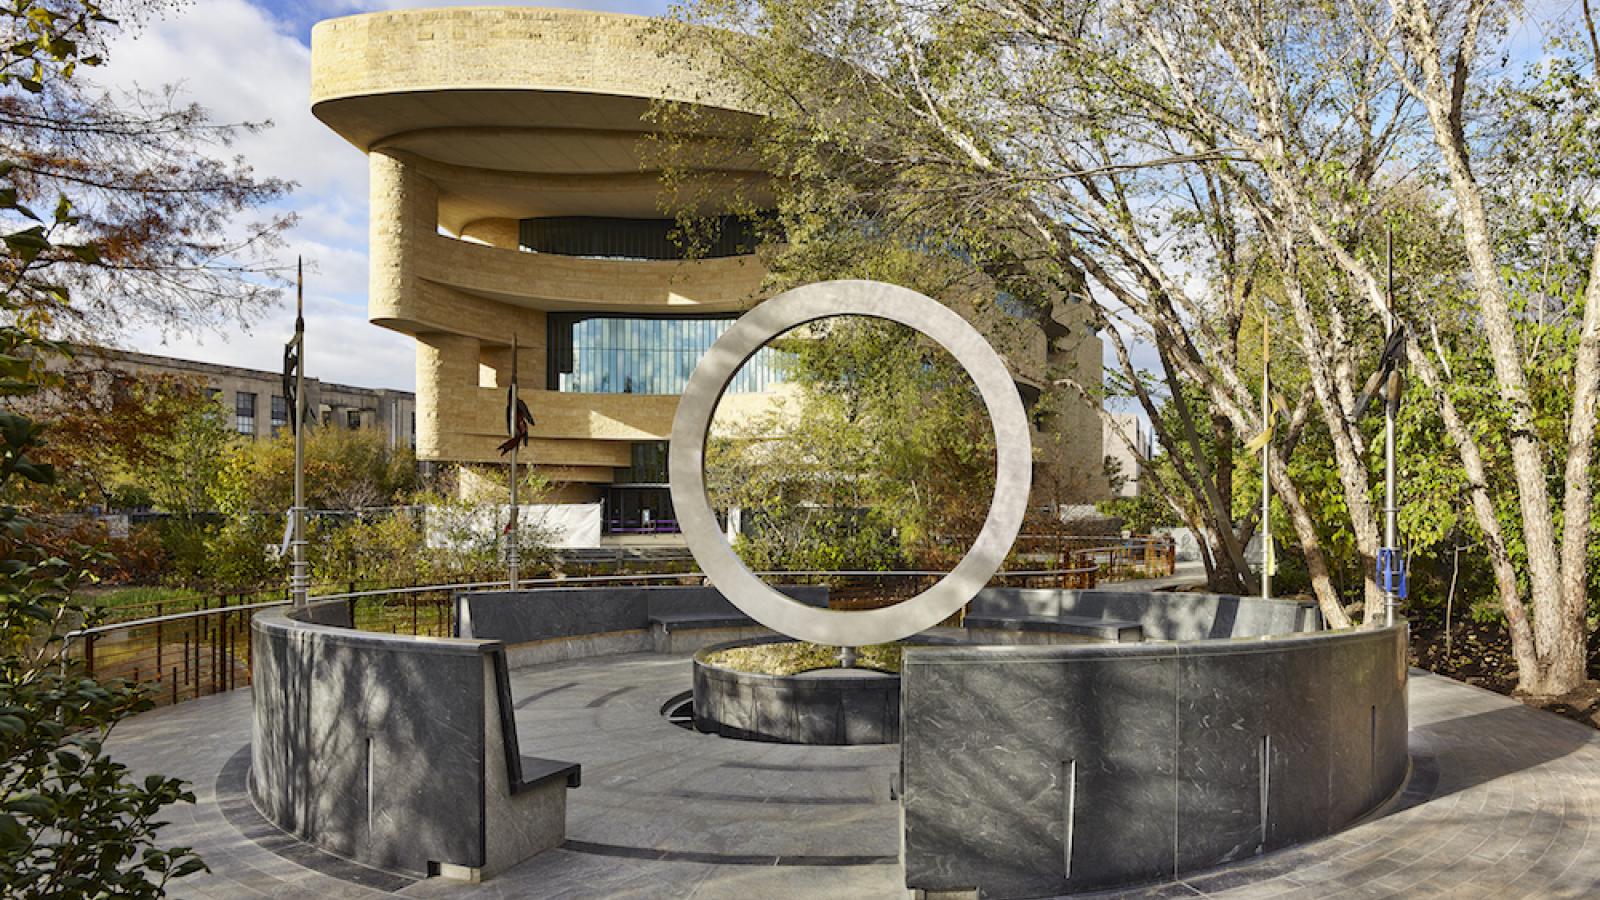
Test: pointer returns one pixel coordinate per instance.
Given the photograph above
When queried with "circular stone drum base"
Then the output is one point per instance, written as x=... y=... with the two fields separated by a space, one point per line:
x=829 y=707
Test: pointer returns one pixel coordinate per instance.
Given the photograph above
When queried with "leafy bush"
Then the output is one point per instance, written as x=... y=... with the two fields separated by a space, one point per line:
x=72 y=824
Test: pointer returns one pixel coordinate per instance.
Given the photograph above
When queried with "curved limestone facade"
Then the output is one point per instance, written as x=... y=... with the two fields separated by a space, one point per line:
x=479 y=121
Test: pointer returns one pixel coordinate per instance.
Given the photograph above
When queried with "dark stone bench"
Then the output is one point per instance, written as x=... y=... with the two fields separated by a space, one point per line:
x=533 y=772
x=711 y=617
x=1120 y=630
x=545 y=624
x=1161 y=616
x=677 y=621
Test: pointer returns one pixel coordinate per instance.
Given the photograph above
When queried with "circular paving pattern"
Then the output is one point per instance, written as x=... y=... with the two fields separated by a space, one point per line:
x=1503 y=803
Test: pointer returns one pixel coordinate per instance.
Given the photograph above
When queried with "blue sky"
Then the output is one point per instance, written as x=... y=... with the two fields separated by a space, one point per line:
x=250 y=61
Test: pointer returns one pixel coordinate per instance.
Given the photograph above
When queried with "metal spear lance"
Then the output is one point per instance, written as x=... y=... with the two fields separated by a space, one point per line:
x=514 y=547
x=299 y=577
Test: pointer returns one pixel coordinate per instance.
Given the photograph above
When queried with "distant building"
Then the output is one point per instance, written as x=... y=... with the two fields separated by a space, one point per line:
x=255 y=401
x=1129 y=465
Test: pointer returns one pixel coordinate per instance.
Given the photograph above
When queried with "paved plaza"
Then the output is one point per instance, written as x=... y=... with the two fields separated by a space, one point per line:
x=1502 y=802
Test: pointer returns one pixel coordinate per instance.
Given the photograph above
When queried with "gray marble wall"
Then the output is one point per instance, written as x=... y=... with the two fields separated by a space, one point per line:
x=1032 y=771
x=390 y=750
x=797 y=709
x=1166 y=615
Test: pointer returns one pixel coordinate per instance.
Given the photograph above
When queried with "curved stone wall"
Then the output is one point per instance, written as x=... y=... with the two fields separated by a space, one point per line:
x=395 y=751
x=548 y=624
x=1026 y=770
x=489 y=48
x=1161 y=616
x=1040 y=770
x=831 y=707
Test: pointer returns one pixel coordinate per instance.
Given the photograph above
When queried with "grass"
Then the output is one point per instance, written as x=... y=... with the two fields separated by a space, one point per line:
x=173 y=599
x=794 y=657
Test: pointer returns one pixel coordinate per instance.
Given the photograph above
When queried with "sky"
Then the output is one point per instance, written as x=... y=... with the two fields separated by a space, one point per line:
x=250 y=61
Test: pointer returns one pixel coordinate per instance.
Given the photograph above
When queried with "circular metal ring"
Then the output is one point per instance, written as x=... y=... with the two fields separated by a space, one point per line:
x=686 y=462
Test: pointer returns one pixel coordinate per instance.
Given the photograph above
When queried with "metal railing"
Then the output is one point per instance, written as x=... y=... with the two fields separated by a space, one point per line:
x=195 y=652
x=1112 y=558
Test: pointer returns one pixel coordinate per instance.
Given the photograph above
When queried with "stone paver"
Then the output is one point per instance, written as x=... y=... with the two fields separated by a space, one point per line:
x=1503 y=803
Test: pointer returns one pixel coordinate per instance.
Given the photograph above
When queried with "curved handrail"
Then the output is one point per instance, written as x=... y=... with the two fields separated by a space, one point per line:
x=574 y=581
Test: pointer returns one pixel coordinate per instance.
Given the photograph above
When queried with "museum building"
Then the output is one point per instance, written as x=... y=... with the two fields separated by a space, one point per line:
x=510 y=196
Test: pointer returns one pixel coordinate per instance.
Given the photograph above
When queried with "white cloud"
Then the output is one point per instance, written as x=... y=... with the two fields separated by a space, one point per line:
x=340 y=346
x=237 y=61
x=230 y=57
x=248 y=61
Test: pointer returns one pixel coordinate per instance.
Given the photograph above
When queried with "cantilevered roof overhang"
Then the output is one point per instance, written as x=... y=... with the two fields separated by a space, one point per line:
x=560 y=97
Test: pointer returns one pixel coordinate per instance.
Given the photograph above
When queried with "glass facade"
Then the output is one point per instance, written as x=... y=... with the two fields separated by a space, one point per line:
x=645 y=355
x=598 y=237
x=640 y=501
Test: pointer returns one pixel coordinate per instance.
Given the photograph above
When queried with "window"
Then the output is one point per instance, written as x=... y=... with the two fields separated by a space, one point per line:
x=639 y=500
x=352 y=419
x=598 y=354
x=611 y=238
x=244 y=412
x=280 y=413
x=639 y=510
x=647 y=466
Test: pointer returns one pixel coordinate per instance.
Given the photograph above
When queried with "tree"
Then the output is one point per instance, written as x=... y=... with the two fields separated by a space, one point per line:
x=1435 y=54
x=344 y=470
x=159 y=231
x=974 y=129
x=1204 y=162
x=115 y=435
x=885 y=457
x=189 y=461
x=72 y=824
x=90 y=196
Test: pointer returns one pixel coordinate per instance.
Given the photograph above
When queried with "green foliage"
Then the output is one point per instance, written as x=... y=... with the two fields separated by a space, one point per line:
x=887 y=458
x=344 y=469
x=72 y=824
x=190 y=458
x=145 y=206
x=794 y=657
x=465 y=535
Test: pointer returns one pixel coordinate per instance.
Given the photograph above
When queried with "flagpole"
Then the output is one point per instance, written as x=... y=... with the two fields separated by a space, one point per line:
x=299 y=578
x=1266 y=450
x=514 y=550
x=1391 y=599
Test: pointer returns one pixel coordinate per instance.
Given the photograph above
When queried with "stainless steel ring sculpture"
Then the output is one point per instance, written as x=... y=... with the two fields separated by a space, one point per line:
x=686 y=462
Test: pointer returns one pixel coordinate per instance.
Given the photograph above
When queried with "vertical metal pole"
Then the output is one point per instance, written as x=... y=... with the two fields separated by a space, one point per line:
x=1266 y=451
x=514 y=548
x=299 y=577
x=1391 y=598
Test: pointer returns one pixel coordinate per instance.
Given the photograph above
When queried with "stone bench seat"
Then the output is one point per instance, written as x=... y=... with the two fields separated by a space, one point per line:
x=1118 y=630
x=678 y=621
x=537 y=771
